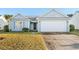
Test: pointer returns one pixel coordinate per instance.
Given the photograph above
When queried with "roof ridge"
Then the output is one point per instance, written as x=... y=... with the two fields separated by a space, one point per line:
x=48 y=12
x=59 y=13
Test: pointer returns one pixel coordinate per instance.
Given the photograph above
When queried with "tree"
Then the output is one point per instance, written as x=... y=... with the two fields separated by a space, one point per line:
x=8 y=17
x=69 y=15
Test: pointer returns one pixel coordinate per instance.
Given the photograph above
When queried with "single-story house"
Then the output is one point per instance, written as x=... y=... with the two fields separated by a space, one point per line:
x=52 y=21
x=75 y=20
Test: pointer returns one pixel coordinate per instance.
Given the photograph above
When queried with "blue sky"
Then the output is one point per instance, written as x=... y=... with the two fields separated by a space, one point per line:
x=35 y=11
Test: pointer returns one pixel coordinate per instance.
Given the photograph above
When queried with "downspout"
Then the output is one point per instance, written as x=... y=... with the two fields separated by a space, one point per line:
x=8 y=24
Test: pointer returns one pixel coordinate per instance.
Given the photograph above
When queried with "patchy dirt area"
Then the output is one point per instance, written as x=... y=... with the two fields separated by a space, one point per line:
x=61 y=41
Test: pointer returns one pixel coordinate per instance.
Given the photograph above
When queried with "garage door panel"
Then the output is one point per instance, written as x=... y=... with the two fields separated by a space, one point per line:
x=53 y=26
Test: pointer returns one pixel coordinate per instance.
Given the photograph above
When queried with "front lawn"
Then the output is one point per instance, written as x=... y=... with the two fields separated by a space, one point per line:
x=21 y=41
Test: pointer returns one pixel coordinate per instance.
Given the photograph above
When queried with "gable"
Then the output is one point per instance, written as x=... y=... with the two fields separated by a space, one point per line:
x=19 y=17
x=53 y=13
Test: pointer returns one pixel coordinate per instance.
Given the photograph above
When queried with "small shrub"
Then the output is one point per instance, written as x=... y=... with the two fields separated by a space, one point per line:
x=72 y=27
x=1 y=30
x=6 y=28
x=25 y=29
x=76 y=29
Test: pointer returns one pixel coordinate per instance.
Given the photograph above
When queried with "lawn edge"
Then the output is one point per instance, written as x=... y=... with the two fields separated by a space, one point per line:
x=44 y=42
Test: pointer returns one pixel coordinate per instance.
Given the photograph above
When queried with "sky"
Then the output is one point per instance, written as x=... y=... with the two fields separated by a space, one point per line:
x=35 y=11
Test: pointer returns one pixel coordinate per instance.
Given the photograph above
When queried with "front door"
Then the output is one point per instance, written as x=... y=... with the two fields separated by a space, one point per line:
x=33 y=26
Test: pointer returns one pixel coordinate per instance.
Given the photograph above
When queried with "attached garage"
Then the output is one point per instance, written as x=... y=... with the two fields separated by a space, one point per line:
x=53 y=21
x=51 y=25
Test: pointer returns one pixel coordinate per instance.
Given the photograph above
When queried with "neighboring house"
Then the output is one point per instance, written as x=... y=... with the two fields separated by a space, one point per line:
x=52 y=21
x=75 y=20
x=3 y=22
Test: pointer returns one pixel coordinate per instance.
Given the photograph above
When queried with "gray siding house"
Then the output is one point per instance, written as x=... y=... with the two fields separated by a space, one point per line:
x=52 y=21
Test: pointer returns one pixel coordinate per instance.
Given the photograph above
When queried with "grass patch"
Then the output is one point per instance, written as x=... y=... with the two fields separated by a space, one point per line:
x=76 y=32
x=21 y=42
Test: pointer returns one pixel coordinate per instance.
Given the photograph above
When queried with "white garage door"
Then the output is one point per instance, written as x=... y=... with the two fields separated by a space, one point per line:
x=53 y=26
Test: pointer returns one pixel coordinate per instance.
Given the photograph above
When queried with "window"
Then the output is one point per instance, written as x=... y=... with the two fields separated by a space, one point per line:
x=18 y=23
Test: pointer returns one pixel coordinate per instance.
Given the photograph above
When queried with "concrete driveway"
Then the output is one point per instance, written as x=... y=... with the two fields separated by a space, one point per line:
x=62 y=42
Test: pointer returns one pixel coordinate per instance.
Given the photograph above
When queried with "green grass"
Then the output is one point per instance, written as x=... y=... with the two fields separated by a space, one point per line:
x=76 y=32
